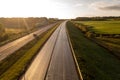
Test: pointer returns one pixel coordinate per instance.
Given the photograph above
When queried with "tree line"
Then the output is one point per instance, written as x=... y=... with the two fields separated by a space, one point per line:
x=105 y=18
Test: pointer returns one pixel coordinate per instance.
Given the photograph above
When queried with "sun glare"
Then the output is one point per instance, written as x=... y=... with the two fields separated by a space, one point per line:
x=31 y=8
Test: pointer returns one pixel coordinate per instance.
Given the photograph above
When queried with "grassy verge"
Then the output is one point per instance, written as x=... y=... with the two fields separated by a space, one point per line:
x=111 y=44
x=10 y=60
x=94 y=61
x=16 y=66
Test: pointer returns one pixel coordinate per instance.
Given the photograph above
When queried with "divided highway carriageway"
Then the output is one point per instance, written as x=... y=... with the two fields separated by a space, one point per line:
x=55 y=60
x=13 y=46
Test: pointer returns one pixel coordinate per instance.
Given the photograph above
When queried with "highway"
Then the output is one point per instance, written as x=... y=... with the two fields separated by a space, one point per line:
x=54 y=61
x=13 y=46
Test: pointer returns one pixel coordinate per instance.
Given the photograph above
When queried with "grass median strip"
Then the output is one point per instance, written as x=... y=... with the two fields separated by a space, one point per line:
x=17 y=66
x=95 y=62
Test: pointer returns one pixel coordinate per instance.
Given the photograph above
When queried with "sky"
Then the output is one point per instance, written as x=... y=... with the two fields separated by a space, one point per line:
x=63 y=9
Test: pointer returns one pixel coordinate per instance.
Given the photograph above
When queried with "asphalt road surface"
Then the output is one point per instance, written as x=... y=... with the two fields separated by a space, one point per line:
x=11 y=47
x=55 y=60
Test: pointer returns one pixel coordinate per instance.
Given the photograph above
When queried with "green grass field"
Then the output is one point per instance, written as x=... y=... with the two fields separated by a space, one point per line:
x=95 y=62
x=103 y=27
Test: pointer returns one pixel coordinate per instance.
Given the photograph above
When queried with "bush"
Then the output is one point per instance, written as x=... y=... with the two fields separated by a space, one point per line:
x=90 y=34
x=3 y=35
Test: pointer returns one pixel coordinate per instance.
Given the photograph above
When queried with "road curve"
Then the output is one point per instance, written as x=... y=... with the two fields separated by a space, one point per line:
x=11 y=47
x=55 y=60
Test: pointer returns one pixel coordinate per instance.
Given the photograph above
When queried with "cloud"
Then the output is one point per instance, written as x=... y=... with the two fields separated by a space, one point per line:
x=66 y=1
x=112 y=7
x=106 y=6
x=116 y=0
x=78 y=5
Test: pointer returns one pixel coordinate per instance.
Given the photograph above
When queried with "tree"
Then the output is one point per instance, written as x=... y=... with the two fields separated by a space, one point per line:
x=3 y=35
x=2 y=29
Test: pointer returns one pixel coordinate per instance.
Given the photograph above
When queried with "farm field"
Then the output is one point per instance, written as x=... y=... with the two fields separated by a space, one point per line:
x=110 y=42
x=13 y=31
x=94 y=61
x=11 y=34
x=103 y=27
